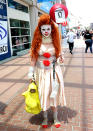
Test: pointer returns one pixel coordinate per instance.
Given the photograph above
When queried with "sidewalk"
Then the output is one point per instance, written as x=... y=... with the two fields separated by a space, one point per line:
x=78 y=78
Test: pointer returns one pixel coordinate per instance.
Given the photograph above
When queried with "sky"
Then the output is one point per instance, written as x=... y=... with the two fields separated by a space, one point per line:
x=83 y=9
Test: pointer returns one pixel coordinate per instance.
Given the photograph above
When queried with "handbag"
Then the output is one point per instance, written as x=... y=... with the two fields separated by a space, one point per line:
x=32 y=102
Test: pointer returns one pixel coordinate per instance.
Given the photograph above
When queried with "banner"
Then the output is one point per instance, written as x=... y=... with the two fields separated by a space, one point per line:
x=39 y=1
x=5 y=51
x=64 y=31
x=3 y=37
x=3 y=8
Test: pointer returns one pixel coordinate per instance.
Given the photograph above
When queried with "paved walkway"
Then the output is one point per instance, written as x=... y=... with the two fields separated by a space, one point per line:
x=78 y=78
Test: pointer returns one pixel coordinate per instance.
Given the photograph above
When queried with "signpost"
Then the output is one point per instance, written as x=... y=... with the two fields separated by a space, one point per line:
x=4 y=42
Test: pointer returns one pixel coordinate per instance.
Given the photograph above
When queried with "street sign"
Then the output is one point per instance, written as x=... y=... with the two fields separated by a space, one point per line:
x=59 y=15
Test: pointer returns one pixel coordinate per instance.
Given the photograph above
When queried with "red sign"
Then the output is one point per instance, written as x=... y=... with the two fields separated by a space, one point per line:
x=61 y=9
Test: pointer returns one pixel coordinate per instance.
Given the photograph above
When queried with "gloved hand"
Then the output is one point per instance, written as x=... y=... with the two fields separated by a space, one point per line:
x=31 y=73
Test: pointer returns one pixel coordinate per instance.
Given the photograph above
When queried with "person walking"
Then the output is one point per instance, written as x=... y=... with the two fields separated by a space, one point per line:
x=88 y=41
x=70 y=36
x=46 y=57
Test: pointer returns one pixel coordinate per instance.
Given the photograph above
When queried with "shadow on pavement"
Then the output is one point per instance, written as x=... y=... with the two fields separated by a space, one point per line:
x=9 y=127
x=64 y=113
x=2 y=107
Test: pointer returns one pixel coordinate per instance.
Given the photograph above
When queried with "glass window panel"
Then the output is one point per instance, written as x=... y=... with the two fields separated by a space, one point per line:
x=18 y=6
x=14 y=23
x=15 y=32
x=24 y=24
x=25 y=32
x=20 y=33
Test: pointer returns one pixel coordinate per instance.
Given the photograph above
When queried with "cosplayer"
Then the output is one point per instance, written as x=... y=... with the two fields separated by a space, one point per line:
x=45 y=49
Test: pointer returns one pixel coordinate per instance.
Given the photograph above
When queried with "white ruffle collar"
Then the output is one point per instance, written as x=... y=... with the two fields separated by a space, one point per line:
x=46 y=39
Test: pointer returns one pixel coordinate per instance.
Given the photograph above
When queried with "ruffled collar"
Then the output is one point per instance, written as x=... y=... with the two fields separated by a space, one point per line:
x=46 y=40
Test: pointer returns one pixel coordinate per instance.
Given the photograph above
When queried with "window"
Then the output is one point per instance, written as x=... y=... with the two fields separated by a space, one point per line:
x=18 y=6
x=20 y=35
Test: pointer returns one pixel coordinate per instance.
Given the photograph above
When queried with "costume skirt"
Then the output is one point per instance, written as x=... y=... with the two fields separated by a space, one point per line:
x=44 y=79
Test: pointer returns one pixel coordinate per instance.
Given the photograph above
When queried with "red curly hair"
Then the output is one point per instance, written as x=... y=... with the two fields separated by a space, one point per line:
x=37 y=38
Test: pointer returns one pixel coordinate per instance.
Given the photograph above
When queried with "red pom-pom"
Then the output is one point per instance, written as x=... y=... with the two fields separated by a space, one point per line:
x=46 y=62
x=47 y=55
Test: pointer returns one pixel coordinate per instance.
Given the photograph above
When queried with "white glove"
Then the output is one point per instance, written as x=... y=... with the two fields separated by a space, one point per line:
x=31 y=72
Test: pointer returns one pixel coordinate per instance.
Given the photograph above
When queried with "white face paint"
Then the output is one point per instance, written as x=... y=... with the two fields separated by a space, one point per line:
x=46 y=30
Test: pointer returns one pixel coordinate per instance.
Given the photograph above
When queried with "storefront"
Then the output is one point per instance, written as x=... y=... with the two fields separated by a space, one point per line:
x=15 y=28
x=19 y=26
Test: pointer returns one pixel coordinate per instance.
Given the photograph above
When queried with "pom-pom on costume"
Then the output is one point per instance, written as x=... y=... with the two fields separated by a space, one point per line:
x=45 y=49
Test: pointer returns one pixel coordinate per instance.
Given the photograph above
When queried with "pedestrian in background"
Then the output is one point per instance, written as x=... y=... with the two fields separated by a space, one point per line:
x=91 y=32
x=88 y=41
x=70 y=39
x=78 y=34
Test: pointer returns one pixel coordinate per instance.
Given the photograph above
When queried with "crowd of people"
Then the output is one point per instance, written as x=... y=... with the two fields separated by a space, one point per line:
x=87 y=37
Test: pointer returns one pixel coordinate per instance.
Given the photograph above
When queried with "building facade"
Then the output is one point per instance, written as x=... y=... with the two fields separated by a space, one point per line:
x=19 y=26
x=18 y=19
